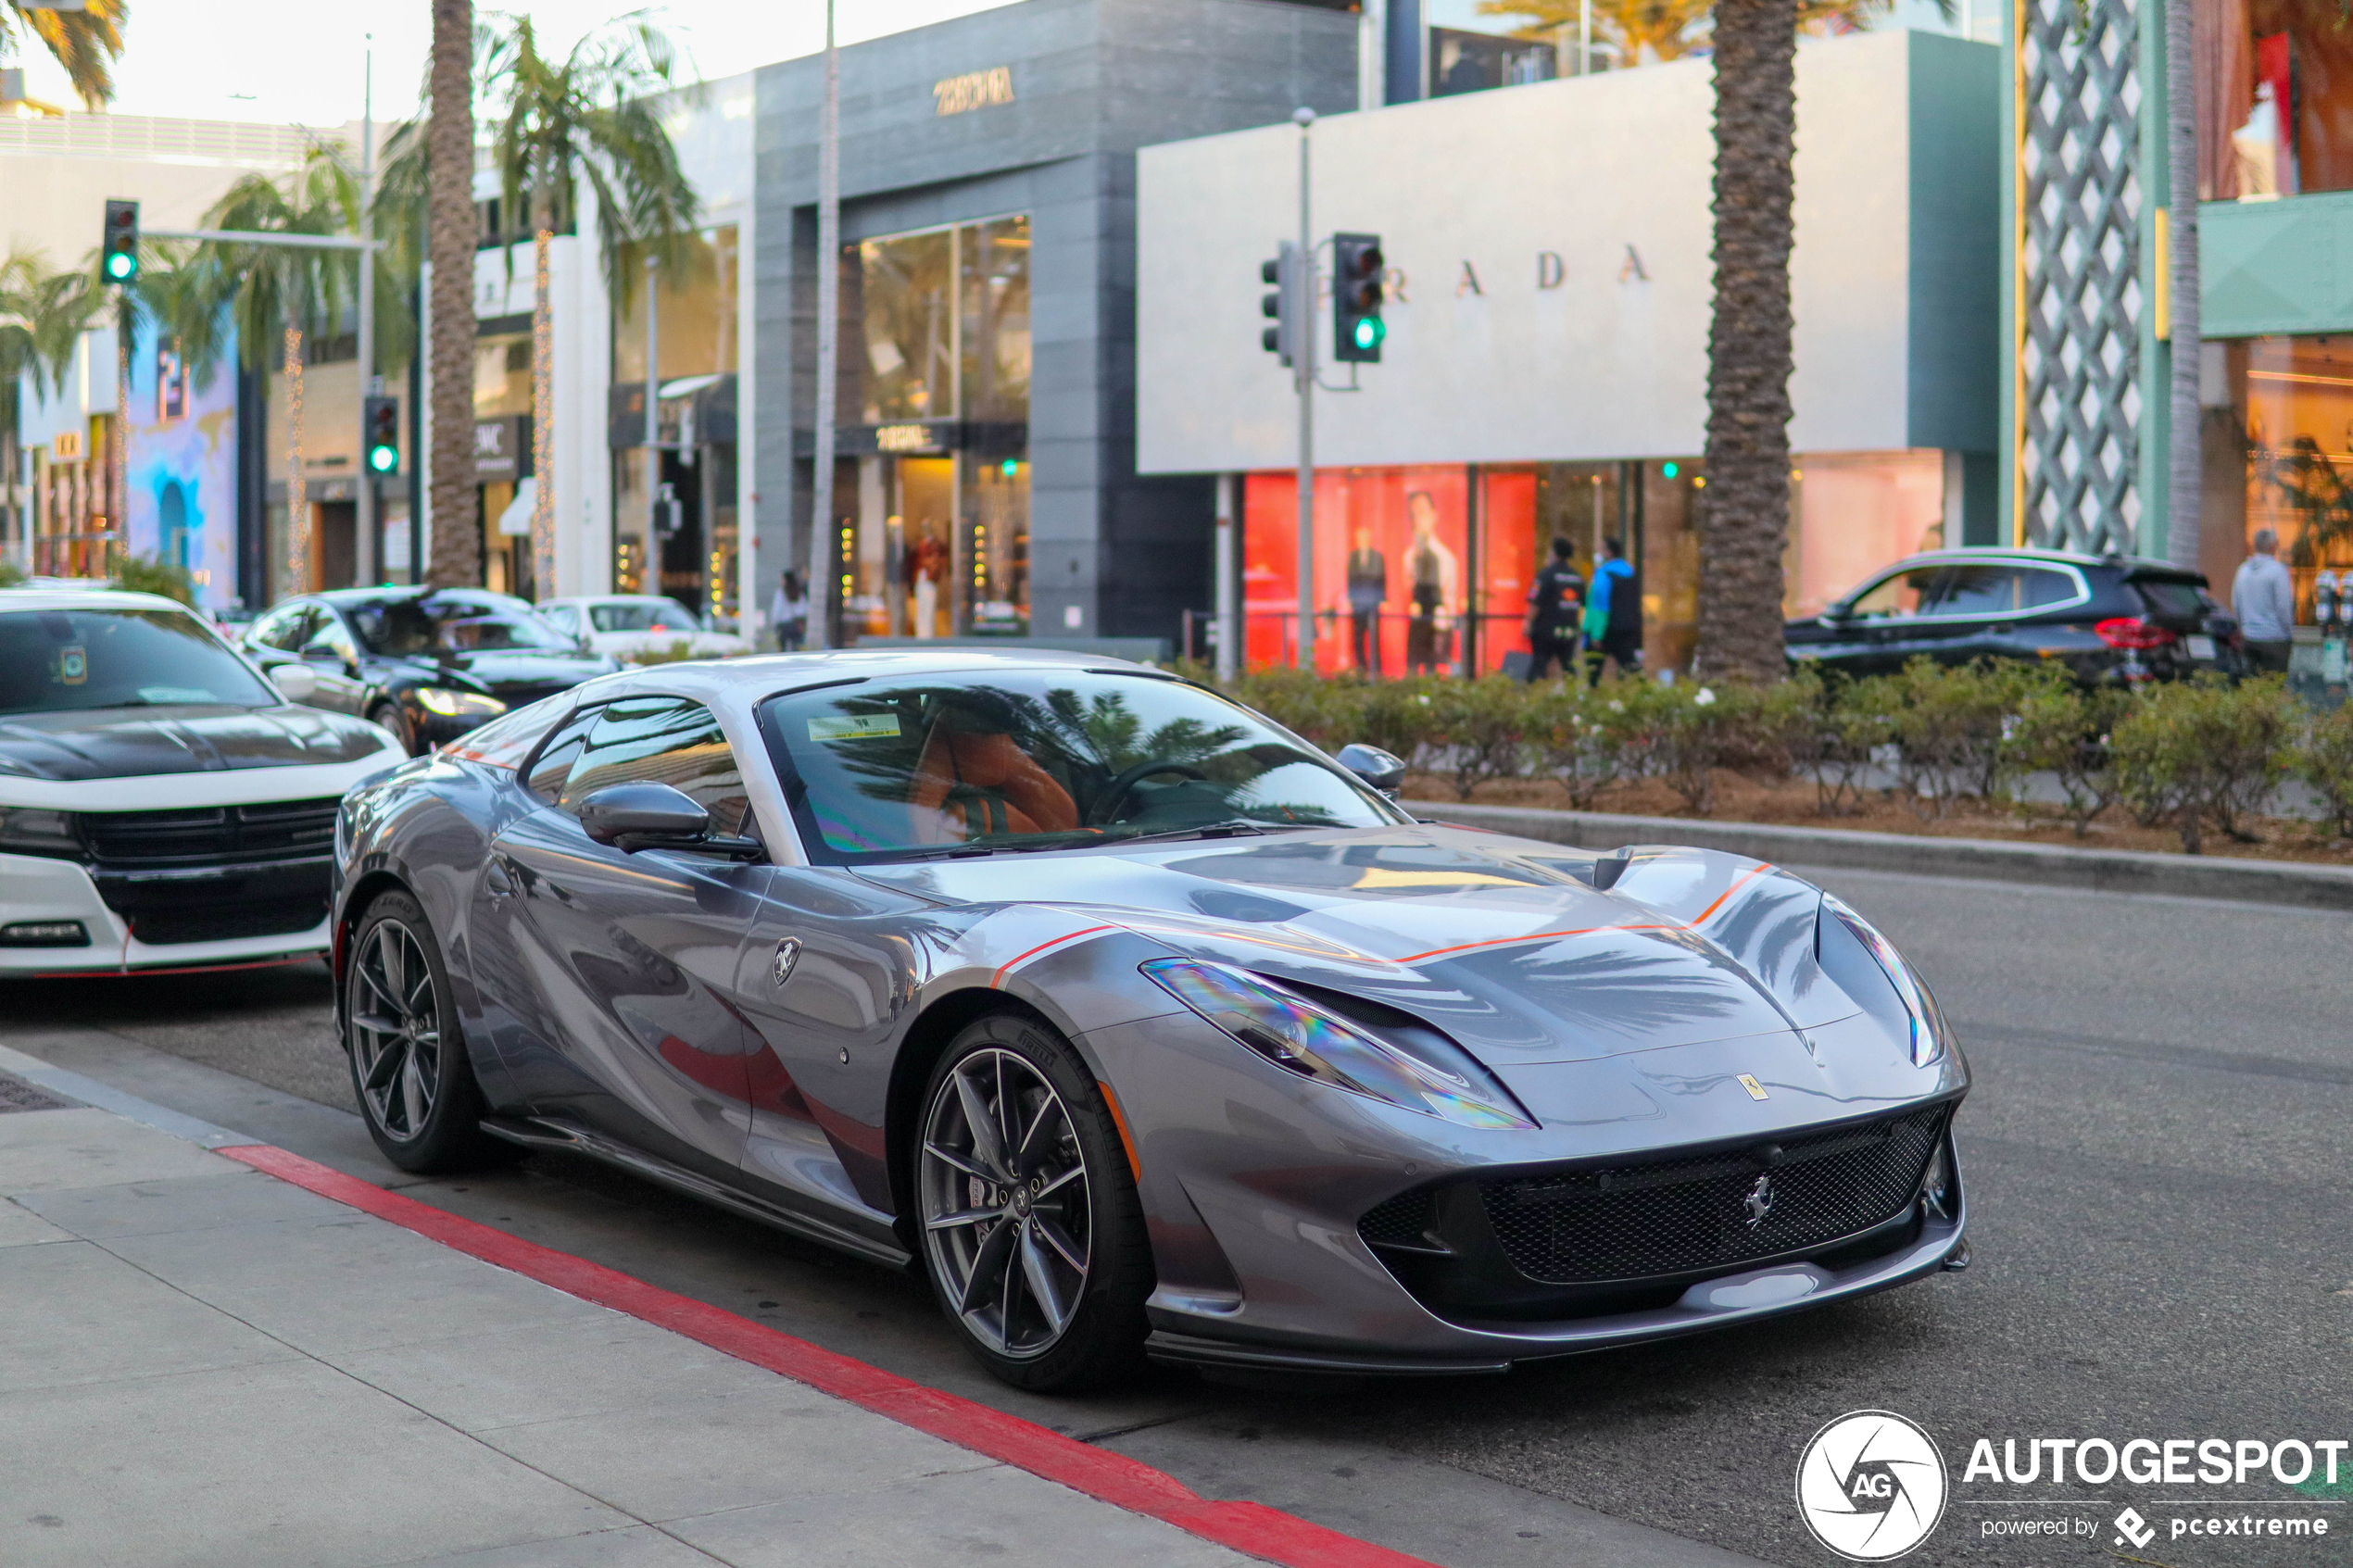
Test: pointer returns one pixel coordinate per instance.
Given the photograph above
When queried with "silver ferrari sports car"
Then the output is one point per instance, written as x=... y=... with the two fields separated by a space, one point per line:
x=1137 y=1024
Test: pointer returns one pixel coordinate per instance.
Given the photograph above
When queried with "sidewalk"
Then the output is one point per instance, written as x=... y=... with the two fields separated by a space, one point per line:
x=201 y=1363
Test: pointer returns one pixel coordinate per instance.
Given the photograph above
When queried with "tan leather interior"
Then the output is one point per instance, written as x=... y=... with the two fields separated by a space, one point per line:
x=961 y=773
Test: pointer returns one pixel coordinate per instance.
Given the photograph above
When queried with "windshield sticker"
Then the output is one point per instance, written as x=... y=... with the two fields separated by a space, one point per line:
x=73 y=664
x=862 y=726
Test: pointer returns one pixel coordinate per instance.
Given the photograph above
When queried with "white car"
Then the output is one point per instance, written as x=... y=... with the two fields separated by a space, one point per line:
x=631 y=626
x=162 y=805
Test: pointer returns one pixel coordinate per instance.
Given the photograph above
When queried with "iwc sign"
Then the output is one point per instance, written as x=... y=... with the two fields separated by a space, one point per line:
x=1870 y=1486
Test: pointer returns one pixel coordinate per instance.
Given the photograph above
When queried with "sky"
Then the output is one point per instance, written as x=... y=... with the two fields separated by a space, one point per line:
x=179 y=60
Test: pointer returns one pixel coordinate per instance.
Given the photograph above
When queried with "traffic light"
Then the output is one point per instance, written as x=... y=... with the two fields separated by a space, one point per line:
x=119 y=252
x=1285 y=304
x=1357 y=329
x=379 y=433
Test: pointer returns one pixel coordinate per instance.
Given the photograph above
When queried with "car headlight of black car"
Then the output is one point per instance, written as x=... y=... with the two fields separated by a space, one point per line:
x=1927 y=1024
x=31 y=830
x=1431 y=1075
x=450 y=703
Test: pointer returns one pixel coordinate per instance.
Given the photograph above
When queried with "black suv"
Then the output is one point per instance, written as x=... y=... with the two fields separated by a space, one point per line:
x=2107 y=617
x=427 y=664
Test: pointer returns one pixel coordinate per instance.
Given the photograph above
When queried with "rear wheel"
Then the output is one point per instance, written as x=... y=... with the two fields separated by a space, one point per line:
x=387 y=717
x=1032 y=1232
x=408 y=1064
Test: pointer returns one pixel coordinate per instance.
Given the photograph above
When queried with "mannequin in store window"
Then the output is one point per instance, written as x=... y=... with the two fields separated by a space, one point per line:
x=1435 y=577
x=1368 y=588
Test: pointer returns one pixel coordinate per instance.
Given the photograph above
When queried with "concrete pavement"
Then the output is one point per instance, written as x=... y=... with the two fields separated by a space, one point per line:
x=202 y=1364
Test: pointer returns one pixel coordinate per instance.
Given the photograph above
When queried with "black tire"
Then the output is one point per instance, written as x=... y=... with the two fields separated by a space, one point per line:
x=1005 y=1318
x=387 y=717
x=406 y=1048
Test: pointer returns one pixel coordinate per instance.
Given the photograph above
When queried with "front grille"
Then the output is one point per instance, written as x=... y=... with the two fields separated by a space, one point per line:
x=211 y=921
x=211 y=835
x=1634 y=1221
x=1403 y=1221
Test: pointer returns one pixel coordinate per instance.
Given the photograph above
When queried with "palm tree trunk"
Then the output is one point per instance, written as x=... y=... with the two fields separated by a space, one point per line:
x=449 y=203
x=2184 y=442
x=298 y=483
x=1745 y=525
x=543 y=405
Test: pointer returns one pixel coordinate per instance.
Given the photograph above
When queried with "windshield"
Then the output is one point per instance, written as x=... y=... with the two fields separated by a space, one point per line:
x=641 y=615
x=879 y=770
x=59 y=660
x=454 y=623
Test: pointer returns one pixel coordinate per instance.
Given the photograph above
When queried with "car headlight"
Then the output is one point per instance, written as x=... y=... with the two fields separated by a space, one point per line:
x=34 y=830
x=1928 y=1024
x=1432 y=1075
x=452 y=704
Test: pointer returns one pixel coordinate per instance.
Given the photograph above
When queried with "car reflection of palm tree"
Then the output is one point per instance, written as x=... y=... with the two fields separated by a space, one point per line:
x=1633 y=989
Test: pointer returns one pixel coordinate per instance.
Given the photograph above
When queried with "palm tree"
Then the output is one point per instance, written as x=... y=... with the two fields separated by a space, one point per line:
x=447 y=152
x=42 y=314
x=283 y=293
x=86 y=42
x=1745 y=527
x=585 y=118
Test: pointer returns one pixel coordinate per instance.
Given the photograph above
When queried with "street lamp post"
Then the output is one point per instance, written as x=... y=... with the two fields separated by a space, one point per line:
x=1304 y=375
x=370 y=543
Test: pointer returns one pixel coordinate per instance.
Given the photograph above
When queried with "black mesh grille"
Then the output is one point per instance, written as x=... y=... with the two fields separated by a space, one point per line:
x=1401 y=1221
x=1679 y=1216
x=213 y=922
x=211 y=835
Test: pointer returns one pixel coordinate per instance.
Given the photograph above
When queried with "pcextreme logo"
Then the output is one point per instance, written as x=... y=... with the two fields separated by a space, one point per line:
x=1870 y=1486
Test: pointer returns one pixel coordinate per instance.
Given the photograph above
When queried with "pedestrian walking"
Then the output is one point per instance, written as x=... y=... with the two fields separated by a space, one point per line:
x=1614 y=614
x=2264 y=601
x=788 y=613
x=1554 y=605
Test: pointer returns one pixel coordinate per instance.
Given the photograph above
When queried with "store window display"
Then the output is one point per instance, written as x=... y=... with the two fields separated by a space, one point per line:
x=2294 y=403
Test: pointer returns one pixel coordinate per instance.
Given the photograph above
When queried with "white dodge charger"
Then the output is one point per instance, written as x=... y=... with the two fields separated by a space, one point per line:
x=162 y=806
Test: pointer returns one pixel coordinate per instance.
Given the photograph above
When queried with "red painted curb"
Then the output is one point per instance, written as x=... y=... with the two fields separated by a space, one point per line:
x=1113 y=1478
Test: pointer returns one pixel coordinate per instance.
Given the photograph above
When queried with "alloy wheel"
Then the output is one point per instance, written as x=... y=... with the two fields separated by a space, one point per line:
x=395 y=1030
x=1005 y=1204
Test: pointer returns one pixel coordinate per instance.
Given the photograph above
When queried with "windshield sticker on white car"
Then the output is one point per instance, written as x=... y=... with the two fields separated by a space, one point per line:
x=73 y=664
x=862 y=726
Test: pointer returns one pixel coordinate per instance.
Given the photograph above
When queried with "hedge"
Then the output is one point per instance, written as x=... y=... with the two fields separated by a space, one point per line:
x=2200 y=757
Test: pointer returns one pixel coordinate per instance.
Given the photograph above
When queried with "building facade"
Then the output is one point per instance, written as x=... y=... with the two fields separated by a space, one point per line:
x=987 y=480
x=1544 y=375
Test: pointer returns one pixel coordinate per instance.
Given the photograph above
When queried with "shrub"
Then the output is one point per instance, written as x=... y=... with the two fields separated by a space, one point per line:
x=1948 y=723
x=1684 y=733
x=1570 y=737
x=2324 y=760
x=2204 y=753
x=2067 y=730
x=1480 y=729
x=1831 y=733
x=151 y=574
x=1399 y=717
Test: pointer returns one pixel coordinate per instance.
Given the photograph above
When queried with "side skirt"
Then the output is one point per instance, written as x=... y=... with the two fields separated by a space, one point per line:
x=538 y=1133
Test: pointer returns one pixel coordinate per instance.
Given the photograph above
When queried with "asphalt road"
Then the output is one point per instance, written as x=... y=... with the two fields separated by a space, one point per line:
x=2155 y=1153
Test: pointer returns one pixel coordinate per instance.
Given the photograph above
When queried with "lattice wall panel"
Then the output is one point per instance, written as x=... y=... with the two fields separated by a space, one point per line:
x=2080 y=297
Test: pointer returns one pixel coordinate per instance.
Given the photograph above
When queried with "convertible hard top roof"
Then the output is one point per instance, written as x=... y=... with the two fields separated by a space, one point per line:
x=706 y=679
x=86 y=599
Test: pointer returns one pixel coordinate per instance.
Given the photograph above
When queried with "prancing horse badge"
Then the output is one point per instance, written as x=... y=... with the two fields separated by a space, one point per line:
x=1756 y=1090
x=788 y=955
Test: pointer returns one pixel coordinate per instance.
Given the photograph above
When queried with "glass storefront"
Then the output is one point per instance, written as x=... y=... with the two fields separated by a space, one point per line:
x=502 y=393
x=936 y=389
x=1427 y=569
x=2293 y=413
x=2275 y=99
x=676 y=529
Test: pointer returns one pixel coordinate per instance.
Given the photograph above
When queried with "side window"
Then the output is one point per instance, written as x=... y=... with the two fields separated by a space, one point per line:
x=280 y=627
x=508 y=739
x=2042 y=586
x=1898 y=596
x=661 y=740
x=554 y=763
x=331 y=631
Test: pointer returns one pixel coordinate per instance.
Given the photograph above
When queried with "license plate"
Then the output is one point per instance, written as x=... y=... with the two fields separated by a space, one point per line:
x=2201 y=648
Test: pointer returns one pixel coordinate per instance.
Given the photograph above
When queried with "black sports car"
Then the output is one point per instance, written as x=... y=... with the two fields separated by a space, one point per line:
x=1137 y=1024
x=2107 y=617
x=427 y=664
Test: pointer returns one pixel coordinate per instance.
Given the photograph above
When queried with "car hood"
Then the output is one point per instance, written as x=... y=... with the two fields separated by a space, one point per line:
x=1526 y=952
x=118 y=742
x=505 y=671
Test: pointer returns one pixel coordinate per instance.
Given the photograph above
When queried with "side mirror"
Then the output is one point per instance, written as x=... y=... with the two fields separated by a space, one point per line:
x=1379 y=770
x=296 y=682
x=631 y=817
x=1838 y=615
x=320 y=652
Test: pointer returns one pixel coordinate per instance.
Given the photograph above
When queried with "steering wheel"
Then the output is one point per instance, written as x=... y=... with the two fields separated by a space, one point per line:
x=1117 y=791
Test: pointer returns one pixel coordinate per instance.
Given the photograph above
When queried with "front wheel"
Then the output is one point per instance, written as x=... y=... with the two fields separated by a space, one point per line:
x=387 y=717
x=1032 y=1233
x=408 y=1064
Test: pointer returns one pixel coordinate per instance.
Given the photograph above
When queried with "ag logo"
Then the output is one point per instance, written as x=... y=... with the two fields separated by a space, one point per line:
x=1870 y=1486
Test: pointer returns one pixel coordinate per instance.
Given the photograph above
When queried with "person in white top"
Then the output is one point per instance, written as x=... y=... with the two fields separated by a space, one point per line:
x=2264 y=602
x=788 y=613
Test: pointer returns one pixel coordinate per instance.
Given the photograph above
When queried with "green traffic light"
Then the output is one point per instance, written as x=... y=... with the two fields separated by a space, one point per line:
x=383 y=459
x=119 y=266
x=1369 y=332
